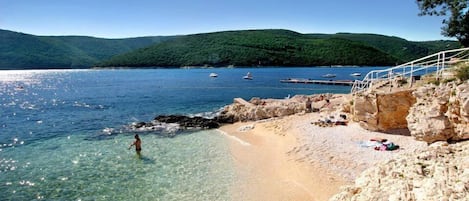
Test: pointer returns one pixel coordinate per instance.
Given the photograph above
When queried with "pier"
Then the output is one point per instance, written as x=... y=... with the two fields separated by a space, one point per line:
x=326 y=82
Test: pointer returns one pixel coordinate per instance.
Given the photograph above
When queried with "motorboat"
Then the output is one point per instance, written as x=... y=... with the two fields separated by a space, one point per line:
x=19 y=88
x=328 y=75
x=213 y=75
x=248 y=76
x=356 y=74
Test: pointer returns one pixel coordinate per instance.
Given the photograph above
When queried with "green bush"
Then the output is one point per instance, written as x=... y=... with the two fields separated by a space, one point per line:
x=448 y=80
x=462 y=73
x=435 y=82
x=402 y=81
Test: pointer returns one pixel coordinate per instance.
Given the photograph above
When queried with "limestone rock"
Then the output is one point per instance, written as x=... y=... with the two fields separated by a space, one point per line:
x=458 y=112
x=441 y=172
x=393 y=108
x=383 y=111
x=258 y=109
x=365 y=111
x=440 y=113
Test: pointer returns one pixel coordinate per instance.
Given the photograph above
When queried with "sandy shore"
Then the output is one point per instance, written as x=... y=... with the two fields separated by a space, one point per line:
x=291 y=159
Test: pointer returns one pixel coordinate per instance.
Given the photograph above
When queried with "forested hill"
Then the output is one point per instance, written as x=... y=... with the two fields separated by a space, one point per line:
x=278 y=48
x=238 y=48
x=24 y=51
x=398 y=47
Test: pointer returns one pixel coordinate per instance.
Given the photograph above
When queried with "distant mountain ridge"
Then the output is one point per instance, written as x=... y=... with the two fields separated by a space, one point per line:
x=278 y=48
x=25 y=51
x=274 y=47
x=398 y=47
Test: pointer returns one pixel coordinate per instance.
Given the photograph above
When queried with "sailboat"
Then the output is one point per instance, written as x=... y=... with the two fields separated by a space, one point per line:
x=248 y=76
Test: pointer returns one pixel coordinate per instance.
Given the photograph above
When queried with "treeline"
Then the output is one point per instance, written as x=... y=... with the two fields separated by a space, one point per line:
x=238 y=48
x=24 y=51
x=398 y=47
x=277 y=48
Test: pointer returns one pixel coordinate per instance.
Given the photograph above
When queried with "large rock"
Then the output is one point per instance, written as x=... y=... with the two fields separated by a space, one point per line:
x=188 y=122
x=382 y=111
x=365 y=110
x=258 y=109
x=441 y=172
x=441 y=113
x=427 y=120
x=393 y=108
x=458 y=112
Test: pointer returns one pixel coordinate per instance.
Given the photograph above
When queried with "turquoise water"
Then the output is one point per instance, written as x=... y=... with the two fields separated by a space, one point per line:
x=73 y=168
x=64 y=133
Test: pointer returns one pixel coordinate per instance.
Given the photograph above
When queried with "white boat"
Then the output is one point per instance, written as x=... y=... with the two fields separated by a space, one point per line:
x=248 y=76
x=356 y=74
x=213 y=75
x=328 y=75
x=19 y=88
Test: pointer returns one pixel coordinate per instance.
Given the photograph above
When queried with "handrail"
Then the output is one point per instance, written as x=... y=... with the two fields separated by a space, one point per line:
x=439 y=61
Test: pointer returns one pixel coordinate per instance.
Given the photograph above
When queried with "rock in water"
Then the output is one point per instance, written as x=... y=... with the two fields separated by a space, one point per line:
x=189 y=122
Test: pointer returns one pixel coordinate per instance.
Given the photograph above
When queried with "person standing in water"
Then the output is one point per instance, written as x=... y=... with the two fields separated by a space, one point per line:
x=138 y=144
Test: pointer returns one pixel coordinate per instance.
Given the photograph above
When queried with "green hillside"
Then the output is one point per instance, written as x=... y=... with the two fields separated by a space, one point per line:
x=253 y=48
x=398 y=47
x=24 y=51
x=238 y=48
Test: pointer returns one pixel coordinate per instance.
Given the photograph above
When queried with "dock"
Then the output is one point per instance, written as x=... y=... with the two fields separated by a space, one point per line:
x=326 y=82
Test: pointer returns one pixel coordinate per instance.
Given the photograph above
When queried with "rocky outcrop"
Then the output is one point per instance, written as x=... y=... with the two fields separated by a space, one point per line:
x=441 y=113
x=240 y=110
x=258 y=109
x=382 y=111
x=458 y=112
x=441 y=172
x=427 y=120
x=188 y=122
x=266 y=109
x=174 y=123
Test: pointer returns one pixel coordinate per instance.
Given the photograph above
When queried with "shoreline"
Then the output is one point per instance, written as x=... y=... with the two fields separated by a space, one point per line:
x=281 y=158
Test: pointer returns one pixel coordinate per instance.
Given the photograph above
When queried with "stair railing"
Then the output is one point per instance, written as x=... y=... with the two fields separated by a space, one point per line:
x=436 y=63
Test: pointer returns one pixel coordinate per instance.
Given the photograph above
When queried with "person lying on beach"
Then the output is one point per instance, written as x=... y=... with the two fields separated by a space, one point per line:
x=137 y=143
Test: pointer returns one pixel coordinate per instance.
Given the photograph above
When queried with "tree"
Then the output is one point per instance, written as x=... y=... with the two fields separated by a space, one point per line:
x=457 y=25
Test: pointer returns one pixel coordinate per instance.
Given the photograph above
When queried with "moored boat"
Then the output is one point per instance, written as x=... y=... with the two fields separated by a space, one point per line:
x=213 y=75
x=328 y=75
x=248 y=76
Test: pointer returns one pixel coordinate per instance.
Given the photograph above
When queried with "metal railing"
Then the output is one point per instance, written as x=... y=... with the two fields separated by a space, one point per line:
x=436 y=63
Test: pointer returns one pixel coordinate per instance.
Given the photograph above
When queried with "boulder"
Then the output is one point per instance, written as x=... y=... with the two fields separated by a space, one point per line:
x=440 y=113
x=365 y=111
x=382 y=111
x=393 y=109
x=258 y=109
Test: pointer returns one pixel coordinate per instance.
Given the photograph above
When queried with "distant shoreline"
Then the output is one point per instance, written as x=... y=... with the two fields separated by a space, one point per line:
x=241 y=67
x=193 y=67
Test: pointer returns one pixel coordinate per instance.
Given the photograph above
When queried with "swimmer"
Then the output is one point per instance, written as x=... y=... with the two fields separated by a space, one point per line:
x=138 y=144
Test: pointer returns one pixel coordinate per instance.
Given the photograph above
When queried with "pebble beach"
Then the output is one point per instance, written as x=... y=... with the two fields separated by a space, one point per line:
x=293 y=159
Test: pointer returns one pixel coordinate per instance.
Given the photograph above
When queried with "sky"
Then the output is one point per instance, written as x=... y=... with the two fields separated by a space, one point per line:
x=127 y=18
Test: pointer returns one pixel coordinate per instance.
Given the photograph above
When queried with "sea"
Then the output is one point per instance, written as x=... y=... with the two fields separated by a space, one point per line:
x=64 y=134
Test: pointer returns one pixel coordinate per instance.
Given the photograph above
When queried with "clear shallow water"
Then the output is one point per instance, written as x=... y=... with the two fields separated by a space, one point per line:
x=53 y=143
x=72 y=168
